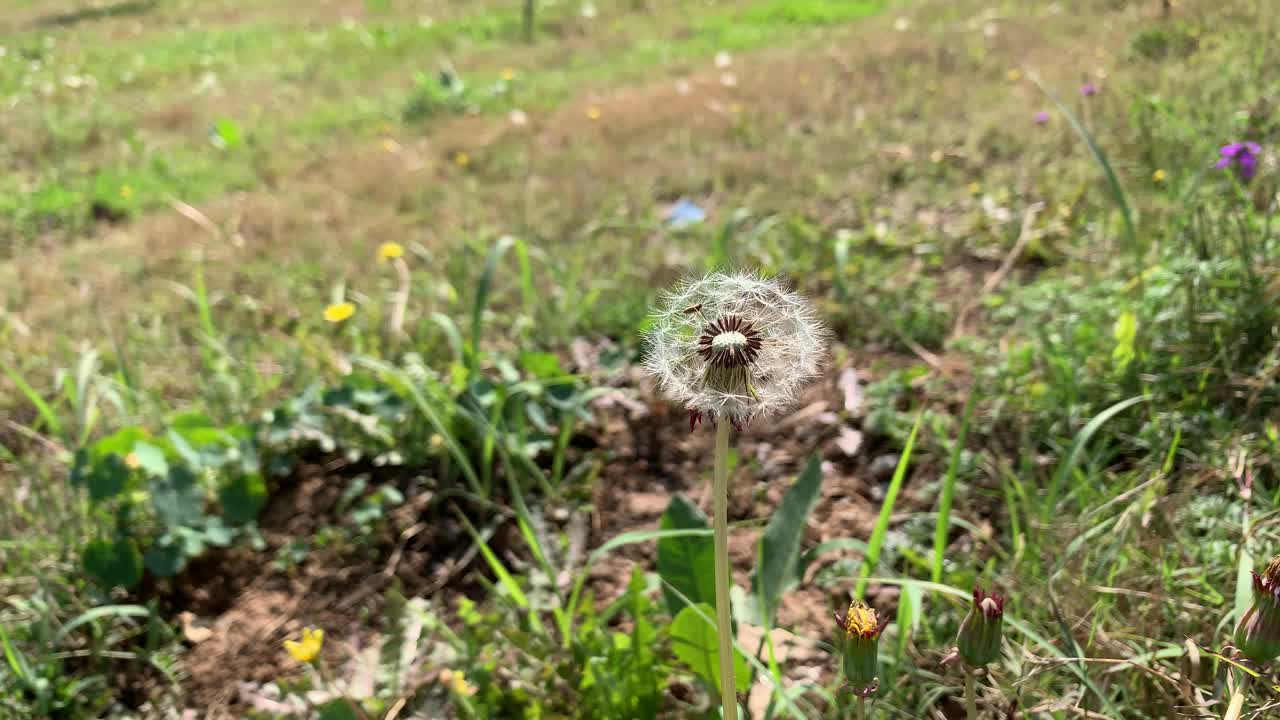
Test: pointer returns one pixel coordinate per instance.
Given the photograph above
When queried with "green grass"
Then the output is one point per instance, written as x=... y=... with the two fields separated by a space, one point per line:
x=1081 y=441
x=324 y=66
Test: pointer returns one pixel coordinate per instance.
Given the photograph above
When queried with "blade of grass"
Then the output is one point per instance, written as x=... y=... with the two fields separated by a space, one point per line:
x=98 y=613
x=504 y=576
x=948 y=491
x=50 y=418
x=483 y=288
x=1009 y=619
x=1077 y=449
x=433 y=417
x=1113 y=182
x=886 y=510
x=627 y=538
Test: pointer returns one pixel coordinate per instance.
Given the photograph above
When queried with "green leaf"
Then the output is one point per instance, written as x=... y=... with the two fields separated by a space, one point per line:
x=119 y=443
x=909 y=615
x=686 y=563
x=243 y=498
x=226 y=134
x=216 y=533
x=337 y=710
x=114 y=563
x=1244 y=583
x=1126 y=333
x=108 y=478
x=17 y=661
x=151 y=459
x=778 y=559
x=541 y=364
x=696 y=643
x=177 y=498
x=165 y=558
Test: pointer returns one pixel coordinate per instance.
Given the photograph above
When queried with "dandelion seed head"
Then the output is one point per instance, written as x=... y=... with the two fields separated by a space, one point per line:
x=734 y=346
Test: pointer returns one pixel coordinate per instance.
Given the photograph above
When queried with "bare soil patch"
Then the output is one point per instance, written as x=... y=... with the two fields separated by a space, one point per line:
x=237 y=606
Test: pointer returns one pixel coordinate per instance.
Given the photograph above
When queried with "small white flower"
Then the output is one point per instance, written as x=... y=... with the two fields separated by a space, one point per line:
x=723 y=59
x=734 y=346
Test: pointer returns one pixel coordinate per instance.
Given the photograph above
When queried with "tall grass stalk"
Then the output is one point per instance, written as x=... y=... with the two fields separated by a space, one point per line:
x=724 y=619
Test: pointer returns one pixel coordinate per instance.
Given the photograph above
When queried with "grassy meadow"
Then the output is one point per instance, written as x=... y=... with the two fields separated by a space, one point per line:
x=330 y=315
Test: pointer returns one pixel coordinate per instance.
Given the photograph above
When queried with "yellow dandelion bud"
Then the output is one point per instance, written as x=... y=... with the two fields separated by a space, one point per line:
x=461 y=159
x=508 y=74
x=338 y=312
x=593 y=113
x=308 y=649
x=1014 y=75
x=390 y=251
x=975 y=188
x=126 y=192
x=1159 y=176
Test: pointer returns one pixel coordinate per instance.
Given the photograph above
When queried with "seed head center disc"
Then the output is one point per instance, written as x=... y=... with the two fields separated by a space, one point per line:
x=728 y=341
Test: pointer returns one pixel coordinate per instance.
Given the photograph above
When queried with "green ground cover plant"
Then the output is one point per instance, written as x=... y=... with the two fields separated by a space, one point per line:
x=329 y=358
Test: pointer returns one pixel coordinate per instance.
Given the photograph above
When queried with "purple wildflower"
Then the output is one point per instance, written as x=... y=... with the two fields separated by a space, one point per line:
x=1042 y=118
x=1088 y=89
x=1243 y=156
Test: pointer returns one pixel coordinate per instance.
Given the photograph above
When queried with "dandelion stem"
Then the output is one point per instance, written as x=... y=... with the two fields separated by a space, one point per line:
x=862 y=708
x=970 y=696
x=724 y=622
x=1237 y=700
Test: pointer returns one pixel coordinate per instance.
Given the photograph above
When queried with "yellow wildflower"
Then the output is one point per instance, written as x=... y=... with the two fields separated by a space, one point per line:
x=1014 y=75
x=131 y=461
x=457 y=682
x=593 y=113
x=975 y=188
x=735 y=108
x=508 y=74
x=390 y=251
x=309 y=648
x=338 y=312
x=461 y=159
x=862 y=620
x=1159 y=176
x=126 y=192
